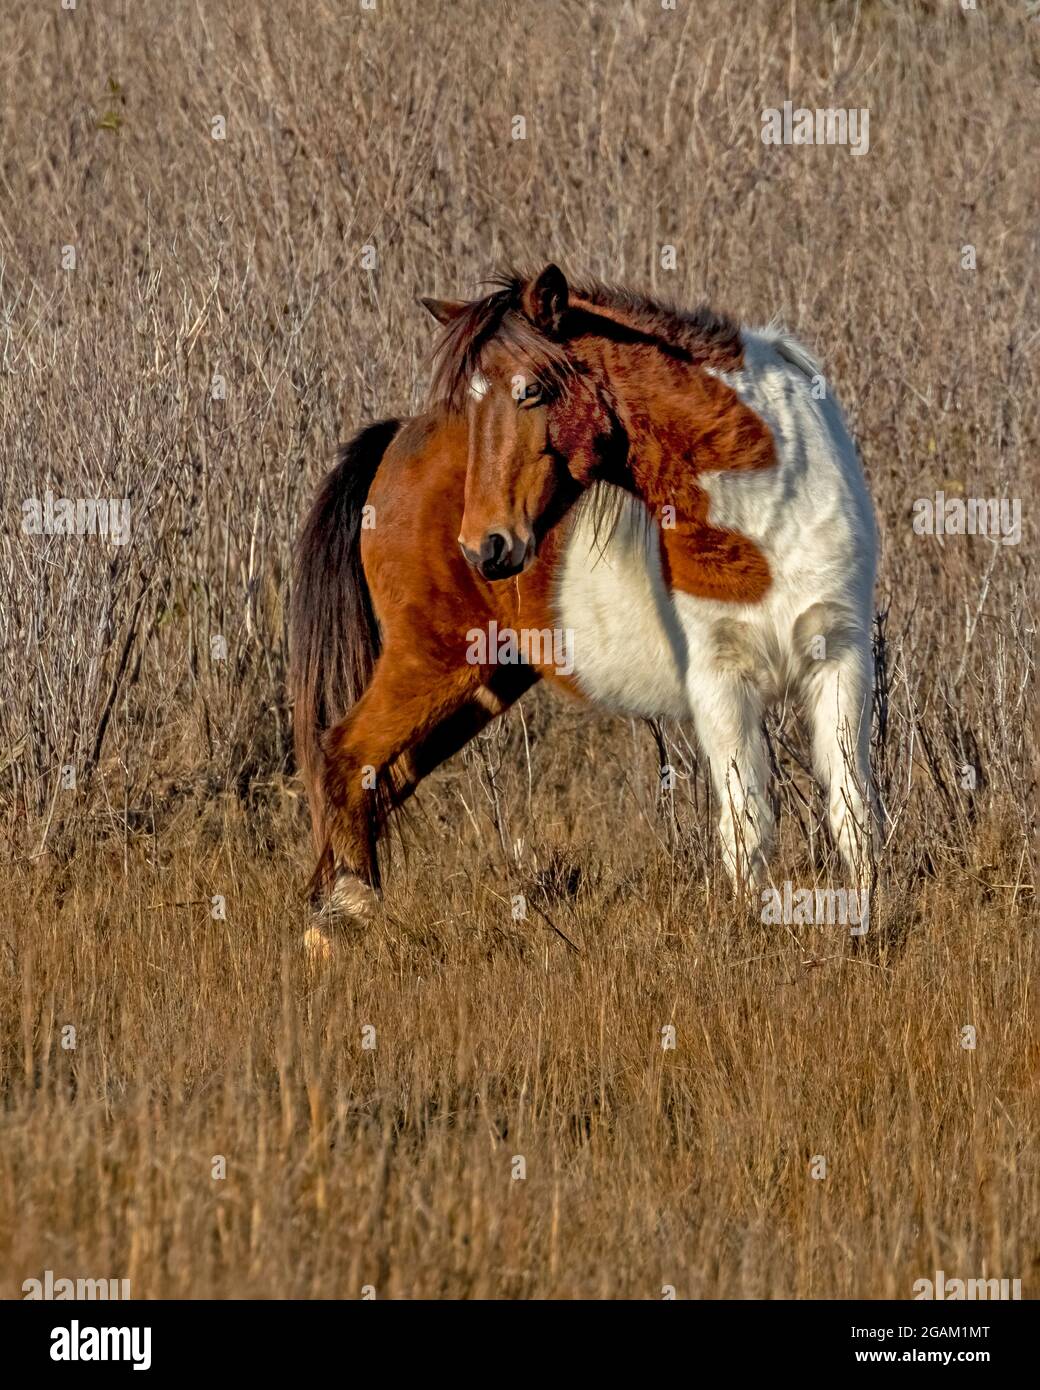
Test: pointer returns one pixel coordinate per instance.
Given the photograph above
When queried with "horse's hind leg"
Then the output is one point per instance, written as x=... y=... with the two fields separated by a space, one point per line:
x=838 y=703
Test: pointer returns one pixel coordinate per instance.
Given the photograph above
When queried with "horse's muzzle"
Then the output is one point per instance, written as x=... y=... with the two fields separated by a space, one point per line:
x=501 y=555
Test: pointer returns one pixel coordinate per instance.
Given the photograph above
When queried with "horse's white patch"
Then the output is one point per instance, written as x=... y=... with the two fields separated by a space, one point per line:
x=479 y=386
x=629 y=650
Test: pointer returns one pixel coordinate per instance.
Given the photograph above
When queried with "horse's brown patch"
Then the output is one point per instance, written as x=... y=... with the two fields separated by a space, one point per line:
x=680 y=426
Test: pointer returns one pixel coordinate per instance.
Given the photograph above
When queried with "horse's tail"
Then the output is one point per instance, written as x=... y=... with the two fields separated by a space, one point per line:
x=333 y=633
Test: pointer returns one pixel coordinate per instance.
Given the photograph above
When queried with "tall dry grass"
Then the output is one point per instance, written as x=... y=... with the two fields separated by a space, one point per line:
x=198 y=1037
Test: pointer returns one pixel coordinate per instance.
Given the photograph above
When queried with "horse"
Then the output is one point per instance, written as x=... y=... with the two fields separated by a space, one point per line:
x=660 y=512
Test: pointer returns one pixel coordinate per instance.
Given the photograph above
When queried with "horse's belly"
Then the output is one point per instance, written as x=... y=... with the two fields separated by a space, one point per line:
x=629 y=650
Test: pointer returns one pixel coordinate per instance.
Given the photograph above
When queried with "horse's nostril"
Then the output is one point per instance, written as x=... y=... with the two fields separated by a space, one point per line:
x=494 y=549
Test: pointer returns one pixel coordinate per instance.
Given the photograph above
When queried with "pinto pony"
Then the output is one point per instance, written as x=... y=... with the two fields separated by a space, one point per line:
x=674 y=496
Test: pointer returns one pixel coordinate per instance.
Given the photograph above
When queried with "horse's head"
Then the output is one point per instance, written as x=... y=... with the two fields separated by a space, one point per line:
x=540 y=425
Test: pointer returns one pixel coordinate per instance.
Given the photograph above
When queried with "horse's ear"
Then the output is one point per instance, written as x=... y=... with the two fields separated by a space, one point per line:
x=444 y=310
x=545 y=299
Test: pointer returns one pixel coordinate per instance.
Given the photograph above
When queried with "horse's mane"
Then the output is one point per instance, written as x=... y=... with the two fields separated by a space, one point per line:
x=701 y=335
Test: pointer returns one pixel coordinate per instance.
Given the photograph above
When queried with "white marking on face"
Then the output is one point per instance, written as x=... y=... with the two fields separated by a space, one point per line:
x=479 y=386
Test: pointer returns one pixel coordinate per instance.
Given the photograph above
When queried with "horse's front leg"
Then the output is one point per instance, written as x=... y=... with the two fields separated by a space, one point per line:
x=406 y=723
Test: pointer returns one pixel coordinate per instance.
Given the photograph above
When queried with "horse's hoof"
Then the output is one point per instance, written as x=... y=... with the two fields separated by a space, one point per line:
x=352 y=897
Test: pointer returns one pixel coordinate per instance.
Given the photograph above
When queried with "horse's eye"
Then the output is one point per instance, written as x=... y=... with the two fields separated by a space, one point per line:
x=532 y=393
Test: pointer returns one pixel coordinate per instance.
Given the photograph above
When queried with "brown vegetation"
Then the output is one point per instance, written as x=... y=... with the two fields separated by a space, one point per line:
x=197 y=1036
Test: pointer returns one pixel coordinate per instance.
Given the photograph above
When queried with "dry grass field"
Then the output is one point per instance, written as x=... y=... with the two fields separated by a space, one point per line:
x=187 y=322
